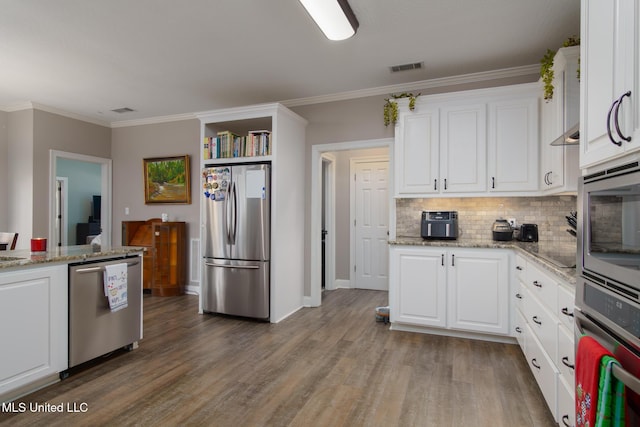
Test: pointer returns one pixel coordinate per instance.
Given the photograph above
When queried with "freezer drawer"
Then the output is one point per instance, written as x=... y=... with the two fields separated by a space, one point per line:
x=238 y=288
x=93 y=329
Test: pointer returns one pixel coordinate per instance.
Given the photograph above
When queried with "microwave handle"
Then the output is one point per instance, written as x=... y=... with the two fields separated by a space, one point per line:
x=626 y=377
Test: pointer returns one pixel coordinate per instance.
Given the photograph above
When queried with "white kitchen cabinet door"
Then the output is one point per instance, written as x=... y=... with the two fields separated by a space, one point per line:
x=513 y=145
x=463 y=147
x=417 y=156
x=33 y=312
x=418 y=286
x=610 y=51
x=478 y=287
x=559 y=165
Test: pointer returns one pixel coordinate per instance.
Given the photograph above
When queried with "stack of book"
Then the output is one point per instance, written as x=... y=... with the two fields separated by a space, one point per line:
x=229 y=145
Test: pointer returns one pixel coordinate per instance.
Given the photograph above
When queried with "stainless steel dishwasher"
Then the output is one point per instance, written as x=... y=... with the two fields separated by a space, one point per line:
x=94 y=330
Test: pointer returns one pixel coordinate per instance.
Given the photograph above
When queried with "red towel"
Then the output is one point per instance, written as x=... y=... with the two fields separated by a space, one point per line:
x=587 y=376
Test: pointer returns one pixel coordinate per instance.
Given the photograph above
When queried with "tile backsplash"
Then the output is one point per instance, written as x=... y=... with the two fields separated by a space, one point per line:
x=477 y=214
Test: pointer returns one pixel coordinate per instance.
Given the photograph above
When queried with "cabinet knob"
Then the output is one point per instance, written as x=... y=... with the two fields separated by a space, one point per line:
x=534 y=362
x=518 y=296
x=566 y=312
x=565 y=362
x=519 y=268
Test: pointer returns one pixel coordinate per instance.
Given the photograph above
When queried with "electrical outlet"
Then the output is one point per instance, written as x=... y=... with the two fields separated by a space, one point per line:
x=512 y=222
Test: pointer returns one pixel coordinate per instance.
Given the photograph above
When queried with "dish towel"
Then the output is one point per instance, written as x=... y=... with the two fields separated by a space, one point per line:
x=611 y=396
x=115 y=285
x=594 y=385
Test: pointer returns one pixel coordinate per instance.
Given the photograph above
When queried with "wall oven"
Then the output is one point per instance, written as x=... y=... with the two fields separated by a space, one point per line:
x=608 y=286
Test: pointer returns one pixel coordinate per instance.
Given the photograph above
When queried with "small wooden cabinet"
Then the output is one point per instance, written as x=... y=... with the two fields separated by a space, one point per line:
x=164 y=261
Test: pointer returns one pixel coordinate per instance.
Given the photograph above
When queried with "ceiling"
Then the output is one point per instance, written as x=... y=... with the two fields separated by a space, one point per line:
x=167 y=57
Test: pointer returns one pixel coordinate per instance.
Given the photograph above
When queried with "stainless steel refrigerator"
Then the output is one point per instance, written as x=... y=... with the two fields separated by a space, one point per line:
x=237 y=240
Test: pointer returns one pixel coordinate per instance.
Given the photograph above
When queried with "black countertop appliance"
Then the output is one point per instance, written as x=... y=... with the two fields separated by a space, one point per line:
x=528 y=233
x=501 y=230
x=439 y=225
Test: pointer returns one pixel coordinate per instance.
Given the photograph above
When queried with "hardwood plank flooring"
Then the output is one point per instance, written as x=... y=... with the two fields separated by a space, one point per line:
x=327 y=366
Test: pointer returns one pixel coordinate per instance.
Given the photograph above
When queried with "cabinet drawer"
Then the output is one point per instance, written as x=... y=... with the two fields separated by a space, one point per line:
x=566 y=404
x=544 y=372
x=543 y=286
x=566 y=360
x=565 y=306
x=543 y=324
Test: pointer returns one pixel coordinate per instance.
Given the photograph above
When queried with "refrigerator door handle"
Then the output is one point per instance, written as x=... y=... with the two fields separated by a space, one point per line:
x=234 y=194
x=227 y=216
x=241 y=267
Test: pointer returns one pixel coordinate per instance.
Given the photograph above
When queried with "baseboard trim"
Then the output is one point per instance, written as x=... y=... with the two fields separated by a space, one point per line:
x=342 y=284
x=453 y=333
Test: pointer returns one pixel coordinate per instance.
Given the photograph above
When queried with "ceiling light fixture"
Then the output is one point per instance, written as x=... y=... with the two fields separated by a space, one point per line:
x=334 y=17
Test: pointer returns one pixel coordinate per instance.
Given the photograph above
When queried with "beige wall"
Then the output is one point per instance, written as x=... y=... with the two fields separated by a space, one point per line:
x=20 y=181
x=4 y=152
x=30 y=135
x=130 y=145
x=56 y=132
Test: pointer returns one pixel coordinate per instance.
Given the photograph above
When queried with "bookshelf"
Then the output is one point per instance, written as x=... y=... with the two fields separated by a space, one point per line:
x=285 y=151
x=246 y=140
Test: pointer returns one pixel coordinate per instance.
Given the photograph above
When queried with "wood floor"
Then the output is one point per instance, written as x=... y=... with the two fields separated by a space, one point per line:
x=327 y=366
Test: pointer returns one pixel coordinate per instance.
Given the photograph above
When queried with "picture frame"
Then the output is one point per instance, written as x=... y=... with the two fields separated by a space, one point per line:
x=167 y=180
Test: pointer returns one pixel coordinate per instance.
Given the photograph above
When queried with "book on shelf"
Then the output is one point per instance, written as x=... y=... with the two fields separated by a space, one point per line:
x=230 y=145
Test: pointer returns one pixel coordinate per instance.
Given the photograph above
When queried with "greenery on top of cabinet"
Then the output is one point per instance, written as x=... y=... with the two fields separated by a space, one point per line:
x=546 y=67
x=391 y=107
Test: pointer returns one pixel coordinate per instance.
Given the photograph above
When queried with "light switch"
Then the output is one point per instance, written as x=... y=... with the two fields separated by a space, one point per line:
x=126 y=211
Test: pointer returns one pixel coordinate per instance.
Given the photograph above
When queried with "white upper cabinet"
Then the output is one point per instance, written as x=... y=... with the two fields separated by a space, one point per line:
x=477 y=142
x=463 y=146
x=417 y=154
x=609 y=55
x=513 y=144
x=559 y=168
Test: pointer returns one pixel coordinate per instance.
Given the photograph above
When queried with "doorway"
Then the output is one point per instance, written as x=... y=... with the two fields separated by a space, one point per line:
x=327 y=234
x=313 y=299
x=370 y=218
x=88 y=168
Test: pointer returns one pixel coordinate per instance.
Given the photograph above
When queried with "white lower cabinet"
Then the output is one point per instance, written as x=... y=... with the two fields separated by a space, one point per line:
x=33 y=312
x=544 y=312
x=478 y=290
x=461 y=289
x=418 y=294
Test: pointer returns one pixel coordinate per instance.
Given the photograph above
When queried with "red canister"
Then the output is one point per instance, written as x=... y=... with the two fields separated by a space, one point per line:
x=39 y=244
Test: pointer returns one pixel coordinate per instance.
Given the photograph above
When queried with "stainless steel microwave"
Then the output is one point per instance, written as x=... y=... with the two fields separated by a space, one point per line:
x=609 y=229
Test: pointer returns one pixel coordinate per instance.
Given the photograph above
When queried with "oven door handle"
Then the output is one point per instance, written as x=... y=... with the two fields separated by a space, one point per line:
x=626 y=377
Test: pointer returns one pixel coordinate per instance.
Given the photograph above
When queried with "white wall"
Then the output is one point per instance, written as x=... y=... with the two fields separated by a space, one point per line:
x=4 y=176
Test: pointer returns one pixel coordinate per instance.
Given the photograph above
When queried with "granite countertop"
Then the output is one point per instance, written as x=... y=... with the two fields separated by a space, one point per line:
x=558 y=260
x=65 y=254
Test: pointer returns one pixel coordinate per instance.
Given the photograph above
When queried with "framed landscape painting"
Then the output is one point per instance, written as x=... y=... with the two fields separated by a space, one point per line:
x=166 y=180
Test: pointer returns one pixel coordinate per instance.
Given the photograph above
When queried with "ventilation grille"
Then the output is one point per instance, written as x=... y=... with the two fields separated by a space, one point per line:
x=123 y=110
x=407 y=67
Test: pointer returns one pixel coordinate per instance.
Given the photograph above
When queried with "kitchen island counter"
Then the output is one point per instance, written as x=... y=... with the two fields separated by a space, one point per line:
x=559 y=260
x=63 y=255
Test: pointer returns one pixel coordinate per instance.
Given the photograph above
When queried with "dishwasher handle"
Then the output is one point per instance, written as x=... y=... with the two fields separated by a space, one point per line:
x=98 y=268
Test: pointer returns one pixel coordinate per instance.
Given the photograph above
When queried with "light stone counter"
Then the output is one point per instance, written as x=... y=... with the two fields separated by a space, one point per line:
x=65 y=254
x=560 y=260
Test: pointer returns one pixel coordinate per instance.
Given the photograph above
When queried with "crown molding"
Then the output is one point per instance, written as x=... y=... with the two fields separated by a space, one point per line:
x=154 y=120
x=521 y=71
x=53 y=110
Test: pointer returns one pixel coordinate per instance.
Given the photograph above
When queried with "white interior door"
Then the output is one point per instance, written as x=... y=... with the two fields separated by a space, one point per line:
x=371 y=223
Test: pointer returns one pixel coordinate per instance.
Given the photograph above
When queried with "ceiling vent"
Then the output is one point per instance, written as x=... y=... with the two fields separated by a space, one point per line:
x=407 y=67
x=123 y=110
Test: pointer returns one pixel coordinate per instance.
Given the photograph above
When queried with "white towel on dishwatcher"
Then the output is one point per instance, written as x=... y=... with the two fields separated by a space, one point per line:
x=115 y=285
